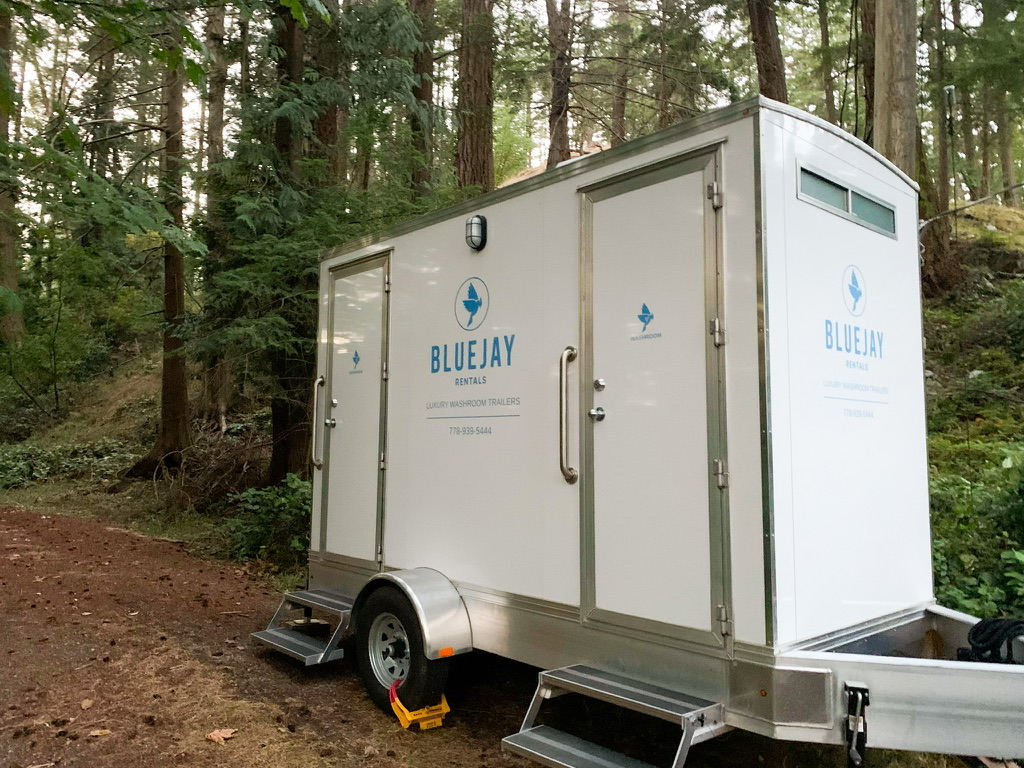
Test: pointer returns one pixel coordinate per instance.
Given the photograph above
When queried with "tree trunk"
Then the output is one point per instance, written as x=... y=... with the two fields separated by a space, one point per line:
x=771 y=67
x=290 y=407
x=969 y=145
x=104 y=112
x=940 y=270
x=217 y=377
x=421 y=117
x=866 y=57
x=291 y=39
x=12 y=324
x=174 y=435
x=474 y=165
x=1004 y=126
x=895 y=116
x=986 y=141
x=620 y=83
x=937 y=56
x=559 y=42
x=827 y=80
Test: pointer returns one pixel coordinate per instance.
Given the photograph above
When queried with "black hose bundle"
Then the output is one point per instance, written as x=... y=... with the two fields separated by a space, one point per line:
x=987 y=638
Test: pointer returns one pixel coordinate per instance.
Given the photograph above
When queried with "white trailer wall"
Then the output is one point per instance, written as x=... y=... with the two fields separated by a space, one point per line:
x=846 y=407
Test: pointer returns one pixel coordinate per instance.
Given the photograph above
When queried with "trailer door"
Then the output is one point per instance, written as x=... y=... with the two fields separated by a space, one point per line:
x=354 y=412
x=653 y=520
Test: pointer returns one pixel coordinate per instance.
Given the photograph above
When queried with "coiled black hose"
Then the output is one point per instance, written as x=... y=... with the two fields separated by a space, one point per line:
x=987 y=639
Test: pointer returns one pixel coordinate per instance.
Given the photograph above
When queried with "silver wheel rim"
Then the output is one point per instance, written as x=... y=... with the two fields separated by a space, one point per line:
x=388 y=647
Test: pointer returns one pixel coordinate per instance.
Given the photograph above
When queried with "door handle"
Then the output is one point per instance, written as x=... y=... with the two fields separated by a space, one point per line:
x=596 y=414
x=314 y=454
x=568 y=355
x=330 y=422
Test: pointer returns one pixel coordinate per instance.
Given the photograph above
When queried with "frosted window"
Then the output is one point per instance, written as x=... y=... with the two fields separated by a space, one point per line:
x=823 y=190
x=875 y=214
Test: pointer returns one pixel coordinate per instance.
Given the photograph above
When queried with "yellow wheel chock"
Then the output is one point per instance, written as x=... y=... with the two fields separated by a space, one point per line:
x=428 y=717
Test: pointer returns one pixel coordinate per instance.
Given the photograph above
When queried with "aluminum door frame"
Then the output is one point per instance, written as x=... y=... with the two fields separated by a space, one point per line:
x=378 y=260
x=708 y=161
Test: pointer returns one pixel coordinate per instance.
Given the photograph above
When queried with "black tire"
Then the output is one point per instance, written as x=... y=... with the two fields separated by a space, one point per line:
x=389 y=647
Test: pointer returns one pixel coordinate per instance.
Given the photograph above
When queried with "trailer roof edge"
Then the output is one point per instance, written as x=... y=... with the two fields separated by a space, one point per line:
x=577 y=166
x=798 y=114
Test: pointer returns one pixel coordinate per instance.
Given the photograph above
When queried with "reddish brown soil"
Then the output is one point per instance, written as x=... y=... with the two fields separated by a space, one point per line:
x=123 y=651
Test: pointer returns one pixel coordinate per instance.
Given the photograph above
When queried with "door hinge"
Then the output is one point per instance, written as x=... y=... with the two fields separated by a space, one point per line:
x=384 y=372
x=715 y=195
x=387 y=283
x=383 y=462
x=721 y=474
x=725 y=628
x=717 y=331
x=380 y=553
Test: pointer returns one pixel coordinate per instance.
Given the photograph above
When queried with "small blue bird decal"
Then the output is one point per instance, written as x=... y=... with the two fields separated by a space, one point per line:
x=645 y=317
x=355 y=359
x=472 y=303
x=855 y=290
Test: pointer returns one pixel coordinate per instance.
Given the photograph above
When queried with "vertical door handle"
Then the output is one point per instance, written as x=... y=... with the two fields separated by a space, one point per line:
x=568 y=355
x=314 y=453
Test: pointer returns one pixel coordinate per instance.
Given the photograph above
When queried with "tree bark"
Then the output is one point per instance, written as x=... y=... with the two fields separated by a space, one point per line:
x=12 y=324
x=771 y=67
x=1004 y=126
x=291 y=39
x=290 y=407
x=895 y=116
x=559 y=42
x=827 y=79
x=941 y=271
x=620 y=82
x=174 y=435
x=421 y=117
x=217 y=376
x=475 y=145
x=937 y=59
x=866 y=57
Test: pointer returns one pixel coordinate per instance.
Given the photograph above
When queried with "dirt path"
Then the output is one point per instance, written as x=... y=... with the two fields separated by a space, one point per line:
x=118 y=650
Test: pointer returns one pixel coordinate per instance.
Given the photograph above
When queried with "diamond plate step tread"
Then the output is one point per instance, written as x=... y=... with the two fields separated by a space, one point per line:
x=557 y=749
x=625 y=692
x=306 y=649
x=333 y=602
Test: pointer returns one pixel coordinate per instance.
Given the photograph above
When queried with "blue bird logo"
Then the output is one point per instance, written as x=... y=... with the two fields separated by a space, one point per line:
x=472 y=303
x=355 y=359
x=645 y=317
x=855 y=291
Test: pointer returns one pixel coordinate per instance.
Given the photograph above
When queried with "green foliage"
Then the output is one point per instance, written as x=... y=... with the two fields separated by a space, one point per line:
x=25 y=464
x=270 y=523
x=975 y=354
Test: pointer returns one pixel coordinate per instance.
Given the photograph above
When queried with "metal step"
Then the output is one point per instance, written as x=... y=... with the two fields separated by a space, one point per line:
x=309 y=650
x=698 y=718
x=554 y=748
x=624 y=692
x=331 y=602
x=306 y=649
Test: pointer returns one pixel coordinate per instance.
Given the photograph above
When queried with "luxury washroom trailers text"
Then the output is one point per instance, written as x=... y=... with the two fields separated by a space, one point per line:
x=655 y=416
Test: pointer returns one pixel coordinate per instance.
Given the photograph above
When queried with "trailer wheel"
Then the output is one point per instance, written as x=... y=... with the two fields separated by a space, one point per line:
x=389 y=649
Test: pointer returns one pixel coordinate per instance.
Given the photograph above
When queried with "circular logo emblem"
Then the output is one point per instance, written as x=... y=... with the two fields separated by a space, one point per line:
x=854 y=290
x=472 y=301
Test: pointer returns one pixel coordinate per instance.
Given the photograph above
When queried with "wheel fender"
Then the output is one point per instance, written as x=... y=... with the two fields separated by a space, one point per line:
x=438 y=605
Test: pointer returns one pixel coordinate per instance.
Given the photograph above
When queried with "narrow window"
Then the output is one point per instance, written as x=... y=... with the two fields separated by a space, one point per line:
x=823 y=190
x=877 y=215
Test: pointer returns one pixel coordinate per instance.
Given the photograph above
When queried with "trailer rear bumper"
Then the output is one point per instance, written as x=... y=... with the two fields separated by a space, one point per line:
x=924 y=704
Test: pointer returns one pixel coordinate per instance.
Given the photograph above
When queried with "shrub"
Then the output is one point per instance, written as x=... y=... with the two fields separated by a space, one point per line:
x=271 y=523
x=27 y=463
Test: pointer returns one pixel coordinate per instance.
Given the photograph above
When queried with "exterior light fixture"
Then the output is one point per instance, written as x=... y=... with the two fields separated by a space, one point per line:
x=476 y=232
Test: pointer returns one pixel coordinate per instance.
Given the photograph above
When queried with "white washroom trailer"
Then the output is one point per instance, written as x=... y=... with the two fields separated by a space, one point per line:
x=652 y=421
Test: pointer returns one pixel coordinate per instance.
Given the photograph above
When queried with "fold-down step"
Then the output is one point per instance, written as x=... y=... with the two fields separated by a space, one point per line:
x=296 y=610
x=699 y=718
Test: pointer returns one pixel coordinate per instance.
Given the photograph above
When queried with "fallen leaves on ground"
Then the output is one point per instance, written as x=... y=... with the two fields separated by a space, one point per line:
x=221 y=735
